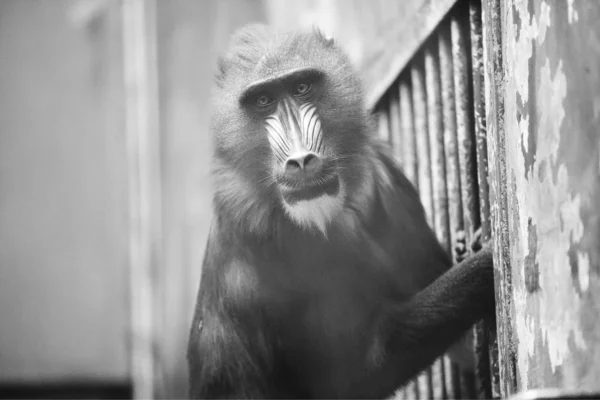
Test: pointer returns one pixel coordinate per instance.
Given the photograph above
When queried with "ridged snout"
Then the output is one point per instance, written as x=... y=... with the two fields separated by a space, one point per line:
x=303 y=166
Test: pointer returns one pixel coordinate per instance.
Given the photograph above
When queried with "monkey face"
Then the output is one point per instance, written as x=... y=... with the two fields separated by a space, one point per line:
x=303 y=164
x=298 y=123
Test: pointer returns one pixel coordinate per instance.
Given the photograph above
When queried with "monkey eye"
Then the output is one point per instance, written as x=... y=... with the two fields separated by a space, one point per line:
x=302 y=88
x=263 y=100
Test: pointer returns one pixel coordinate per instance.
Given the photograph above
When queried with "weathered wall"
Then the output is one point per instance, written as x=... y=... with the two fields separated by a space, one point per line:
x=543 y=117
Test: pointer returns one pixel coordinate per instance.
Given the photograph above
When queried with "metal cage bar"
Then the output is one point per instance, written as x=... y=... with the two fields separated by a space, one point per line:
x=434 y=118
x=409 y=150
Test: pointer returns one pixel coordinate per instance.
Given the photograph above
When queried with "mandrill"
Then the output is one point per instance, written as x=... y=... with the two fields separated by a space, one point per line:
x=322 y=278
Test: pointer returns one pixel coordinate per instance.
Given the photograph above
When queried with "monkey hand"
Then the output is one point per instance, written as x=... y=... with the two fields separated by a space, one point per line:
x=461 y=251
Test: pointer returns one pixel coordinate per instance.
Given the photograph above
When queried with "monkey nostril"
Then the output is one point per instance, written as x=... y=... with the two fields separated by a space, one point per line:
x=304 y=166
x=292 y=165
x=309 y=159
x=312 y=164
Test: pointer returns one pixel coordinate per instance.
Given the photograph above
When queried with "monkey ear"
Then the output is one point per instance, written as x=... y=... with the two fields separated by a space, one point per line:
x=252 y=35
x=245 y=48
x=324 y=38
x=222 y=67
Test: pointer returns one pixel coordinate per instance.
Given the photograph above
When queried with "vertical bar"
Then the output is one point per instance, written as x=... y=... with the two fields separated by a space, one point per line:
x=423 y=381
x=479 y=112
x=410 y=390
x=409 y=149
x=141 y=129
x=438 y=175
x=454 y=201
x=417 y=389
x=396 y=140
x=424 y=174
x=438 y=379
x=453 y=175
x=448 y=376
x=429 y=380
x=436 y=142
x=422 y=137
x=468 y=170
x=395 y=136
x=383 y=123
x=464 y=120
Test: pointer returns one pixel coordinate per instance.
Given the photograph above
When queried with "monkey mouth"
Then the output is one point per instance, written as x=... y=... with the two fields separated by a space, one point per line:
x=293 y=192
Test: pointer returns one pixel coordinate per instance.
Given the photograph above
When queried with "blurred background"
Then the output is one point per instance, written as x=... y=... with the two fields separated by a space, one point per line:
x=104 y=183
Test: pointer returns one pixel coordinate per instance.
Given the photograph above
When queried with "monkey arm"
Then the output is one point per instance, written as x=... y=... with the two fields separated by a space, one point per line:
x=228 y=350
x=415 y=333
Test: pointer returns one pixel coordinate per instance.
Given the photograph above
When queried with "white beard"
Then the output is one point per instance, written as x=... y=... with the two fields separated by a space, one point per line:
x=317 y=212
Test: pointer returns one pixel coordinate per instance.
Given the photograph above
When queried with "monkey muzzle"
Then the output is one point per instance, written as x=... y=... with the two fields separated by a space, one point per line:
x=305 y=177
x=296 y=138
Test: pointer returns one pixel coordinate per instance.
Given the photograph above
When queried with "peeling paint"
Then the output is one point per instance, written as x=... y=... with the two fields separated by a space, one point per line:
x=532 y=268
x=544 y=22
x=543 y=196
x=548 y=145
x=584 y=271
x=572 y=12
x=517 y=21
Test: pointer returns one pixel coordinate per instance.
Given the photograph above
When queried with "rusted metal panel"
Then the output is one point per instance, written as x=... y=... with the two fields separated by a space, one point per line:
x=544 y=151
x=486 y=345
x=494 y=101
x=555 y=394
x=479 y=114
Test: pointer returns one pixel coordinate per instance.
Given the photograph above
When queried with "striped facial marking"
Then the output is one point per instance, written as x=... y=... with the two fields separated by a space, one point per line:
x=293 y=129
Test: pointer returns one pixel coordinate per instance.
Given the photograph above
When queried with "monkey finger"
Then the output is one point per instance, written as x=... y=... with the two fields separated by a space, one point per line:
x=476 y=241
x=460 y=246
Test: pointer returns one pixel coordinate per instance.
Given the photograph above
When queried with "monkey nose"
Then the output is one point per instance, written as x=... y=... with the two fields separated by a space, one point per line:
x=303 y=166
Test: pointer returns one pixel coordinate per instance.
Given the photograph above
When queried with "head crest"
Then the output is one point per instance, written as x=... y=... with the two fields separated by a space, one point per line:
x=245 y=48
x=326 y=39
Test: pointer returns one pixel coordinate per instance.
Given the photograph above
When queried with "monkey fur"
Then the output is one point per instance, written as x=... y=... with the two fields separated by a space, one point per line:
x=343 y=293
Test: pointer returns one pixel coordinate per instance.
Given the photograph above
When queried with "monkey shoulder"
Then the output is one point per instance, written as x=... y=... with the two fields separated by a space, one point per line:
x=411 y=243
x=229 y=350
x=229 y=276
x=393 y=179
